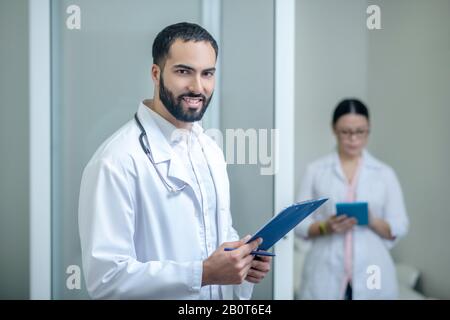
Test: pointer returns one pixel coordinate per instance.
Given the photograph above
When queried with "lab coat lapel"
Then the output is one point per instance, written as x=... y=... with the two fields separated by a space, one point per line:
x=368 y=172
x=177 y=171
x=338 y=168
x=162 y=151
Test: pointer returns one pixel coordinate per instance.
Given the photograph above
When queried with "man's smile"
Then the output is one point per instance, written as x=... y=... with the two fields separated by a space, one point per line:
x=194 y=103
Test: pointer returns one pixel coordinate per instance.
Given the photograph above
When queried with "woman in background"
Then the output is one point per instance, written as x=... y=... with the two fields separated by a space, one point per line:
x=348 y=261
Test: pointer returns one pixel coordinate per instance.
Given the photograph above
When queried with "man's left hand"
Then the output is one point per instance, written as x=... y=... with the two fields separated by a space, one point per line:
x=260 y=267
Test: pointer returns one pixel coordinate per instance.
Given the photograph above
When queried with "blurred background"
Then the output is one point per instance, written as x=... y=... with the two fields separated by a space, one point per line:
x=101 y=72
x=402 y=73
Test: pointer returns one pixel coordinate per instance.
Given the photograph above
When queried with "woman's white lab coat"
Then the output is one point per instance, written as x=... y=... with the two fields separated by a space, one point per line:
x=323 y=272
x=138 y=241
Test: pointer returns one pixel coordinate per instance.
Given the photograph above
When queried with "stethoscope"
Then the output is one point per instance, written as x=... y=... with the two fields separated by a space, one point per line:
x=168 y=186
x=149 y=154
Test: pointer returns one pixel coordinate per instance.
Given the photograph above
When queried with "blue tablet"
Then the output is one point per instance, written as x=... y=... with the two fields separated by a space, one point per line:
x=357 y=210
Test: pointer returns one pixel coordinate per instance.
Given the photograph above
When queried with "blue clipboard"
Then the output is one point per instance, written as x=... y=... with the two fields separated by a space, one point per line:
x=282 y=223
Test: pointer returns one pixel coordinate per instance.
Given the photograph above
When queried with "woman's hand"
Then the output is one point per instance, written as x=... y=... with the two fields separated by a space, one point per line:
x=339 y=224
x=380 y=226
x=334 y=224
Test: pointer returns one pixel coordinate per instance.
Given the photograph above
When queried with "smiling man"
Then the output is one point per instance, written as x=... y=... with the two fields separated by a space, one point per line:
x=154 y=211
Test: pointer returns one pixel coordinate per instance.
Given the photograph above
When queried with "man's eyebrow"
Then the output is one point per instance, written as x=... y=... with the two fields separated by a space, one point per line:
x=210 y=69
x=183 y=66
x=192 y=69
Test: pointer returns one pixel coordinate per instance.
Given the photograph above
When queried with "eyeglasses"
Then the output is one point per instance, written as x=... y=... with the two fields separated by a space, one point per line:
x=358 y=133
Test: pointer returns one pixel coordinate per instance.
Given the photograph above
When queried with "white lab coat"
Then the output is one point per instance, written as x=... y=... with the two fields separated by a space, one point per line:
x=323 y=271
x=137 y=240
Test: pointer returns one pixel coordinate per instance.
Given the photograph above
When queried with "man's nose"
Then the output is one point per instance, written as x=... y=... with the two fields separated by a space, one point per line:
x=196 y=85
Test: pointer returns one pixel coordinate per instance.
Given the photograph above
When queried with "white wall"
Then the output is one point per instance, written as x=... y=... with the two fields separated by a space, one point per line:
x=403 y=73
x=409 y=82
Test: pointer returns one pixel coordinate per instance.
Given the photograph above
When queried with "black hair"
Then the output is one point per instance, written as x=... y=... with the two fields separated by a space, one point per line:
x=347 y=106
x=185 y=31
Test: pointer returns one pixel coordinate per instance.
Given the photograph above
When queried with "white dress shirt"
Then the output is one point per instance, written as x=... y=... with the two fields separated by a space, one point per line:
x=187 y=146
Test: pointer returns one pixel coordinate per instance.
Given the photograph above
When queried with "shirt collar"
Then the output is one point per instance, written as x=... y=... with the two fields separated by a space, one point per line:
x=172 y=134
x=367 y=159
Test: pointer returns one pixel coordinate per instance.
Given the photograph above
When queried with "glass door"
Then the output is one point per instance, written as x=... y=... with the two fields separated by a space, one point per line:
x=101 y=59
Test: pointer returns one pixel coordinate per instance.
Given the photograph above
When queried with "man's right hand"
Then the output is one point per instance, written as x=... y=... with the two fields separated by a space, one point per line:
x=229 y=267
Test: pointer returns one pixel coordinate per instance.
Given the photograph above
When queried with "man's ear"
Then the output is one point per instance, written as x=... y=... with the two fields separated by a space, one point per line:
x=156 y=73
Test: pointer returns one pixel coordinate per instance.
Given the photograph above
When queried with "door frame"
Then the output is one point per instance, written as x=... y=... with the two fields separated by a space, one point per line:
x=283 y=280
x=40 y=149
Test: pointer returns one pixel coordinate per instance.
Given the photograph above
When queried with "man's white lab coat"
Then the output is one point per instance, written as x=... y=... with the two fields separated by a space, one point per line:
x=138 y=240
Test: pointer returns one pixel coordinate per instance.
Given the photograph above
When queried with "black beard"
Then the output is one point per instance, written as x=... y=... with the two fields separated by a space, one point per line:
x=176 y=109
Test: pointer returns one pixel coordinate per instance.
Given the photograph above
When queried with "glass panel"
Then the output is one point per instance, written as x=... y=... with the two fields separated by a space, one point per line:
x=102 y=71
x=14 y=143
x=248 y=104
x=100 y=74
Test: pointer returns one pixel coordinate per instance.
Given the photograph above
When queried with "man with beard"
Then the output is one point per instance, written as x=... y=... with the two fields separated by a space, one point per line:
x=154 y=211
